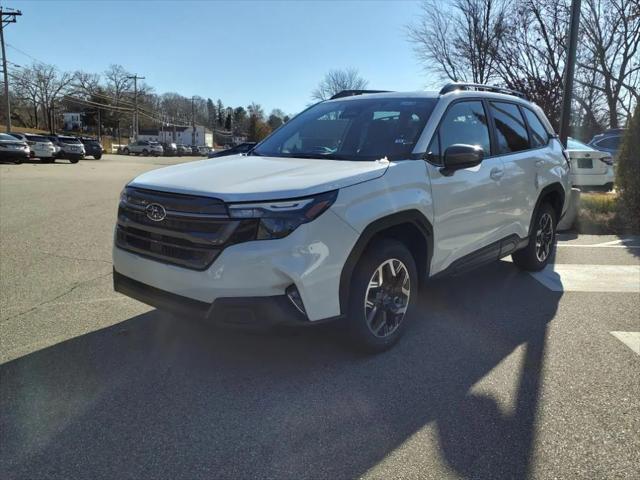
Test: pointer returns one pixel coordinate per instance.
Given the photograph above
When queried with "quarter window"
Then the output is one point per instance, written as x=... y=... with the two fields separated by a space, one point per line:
x=466 y=123
x=539 y=134
x=511 y=131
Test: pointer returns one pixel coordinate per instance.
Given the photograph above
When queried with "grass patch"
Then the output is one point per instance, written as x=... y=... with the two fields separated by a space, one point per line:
x=599 y=214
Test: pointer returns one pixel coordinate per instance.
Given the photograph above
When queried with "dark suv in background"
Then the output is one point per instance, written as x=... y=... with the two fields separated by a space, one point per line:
x=93 y=147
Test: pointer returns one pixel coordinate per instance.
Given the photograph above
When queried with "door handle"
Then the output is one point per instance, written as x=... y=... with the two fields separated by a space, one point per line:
x=539 y=163
x=496 y=173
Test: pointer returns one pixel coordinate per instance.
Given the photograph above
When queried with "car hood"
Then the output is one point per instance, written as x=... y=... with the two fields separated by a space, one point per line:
x=250 y=178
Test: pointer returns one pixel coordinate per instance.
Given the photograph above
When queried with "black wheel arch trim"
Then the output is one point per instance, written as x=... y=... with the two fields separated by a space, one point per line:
x=414 y=217
x=555 y=187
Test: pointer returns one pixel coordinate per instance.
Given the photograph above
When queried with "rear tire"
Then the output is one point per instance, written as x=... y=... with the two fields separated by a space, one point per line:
x=17 y=161
x=542 y=240
x=384 y=288
x=73 y=160
x=97 y=157
x=126 y=151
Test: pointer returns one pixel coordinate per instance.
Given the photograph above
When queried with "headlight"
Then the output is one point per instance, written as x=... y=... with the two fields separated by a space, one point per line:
x=278 y=219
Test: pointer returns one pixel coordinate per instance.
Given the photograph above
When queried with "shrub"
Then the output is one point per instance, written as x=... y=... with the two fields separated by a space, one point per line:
x=628 y=176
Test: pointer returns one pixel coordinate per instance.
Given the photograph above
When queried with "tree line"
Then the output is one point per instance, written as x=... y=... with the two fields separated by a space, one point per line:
x=521 y=44
x=40 y=92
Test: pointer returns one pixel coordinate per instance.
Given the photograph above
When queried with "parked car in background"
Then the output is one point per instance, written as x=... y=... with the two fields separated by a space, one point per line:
x=204 y=150
x=92 y=147
x=13 y=149
x=71 y=148
x=143 y=147
x=41 y=147
x=169 y=149
x=238 y=149
x=22 y=138
x=591 y=169
x=608 y=141
x=183 y=149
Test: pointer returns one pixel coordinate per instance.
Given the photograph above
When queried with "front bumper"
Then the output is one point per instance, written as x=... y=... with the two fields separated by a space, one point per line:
x=311 y=258
x=236 y=311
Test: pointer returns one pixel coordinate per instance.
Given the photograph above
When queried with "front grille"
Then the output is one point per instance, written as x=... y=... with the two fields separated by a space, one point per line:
x=193 y=233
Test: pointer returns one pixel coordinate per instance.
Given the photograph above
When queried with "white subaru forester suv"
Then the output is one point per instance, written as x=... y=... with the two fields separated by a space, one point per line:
x=343 y=211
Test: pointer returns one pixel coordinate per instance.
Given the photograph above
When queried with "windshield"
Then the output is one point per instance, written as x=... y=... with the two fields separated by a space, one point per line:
x=356 y=129
x=5 y=137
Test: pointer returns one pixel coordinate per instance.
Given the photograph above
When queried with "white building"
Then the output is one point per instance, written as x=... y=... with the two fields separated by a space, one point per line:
x=72 y=121
x=198 y=135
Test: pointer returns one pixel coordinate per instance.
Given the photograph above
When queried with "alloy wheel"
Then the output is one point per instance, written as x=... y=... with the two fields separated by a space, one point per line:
x=387 y=297
x=544 y=237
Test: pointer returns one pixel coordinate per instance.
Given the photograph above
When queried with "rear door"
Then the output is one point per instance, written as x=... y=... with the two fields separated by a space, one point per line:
x=525 y=160
x=469 y=205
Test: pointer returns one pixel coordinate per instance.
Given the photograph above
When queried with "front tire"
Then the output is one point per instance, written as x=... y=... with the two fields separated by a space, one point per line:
x=384 y=288
x=97 y=157
x=126 y=151
x=17 y=161
x=535 y=256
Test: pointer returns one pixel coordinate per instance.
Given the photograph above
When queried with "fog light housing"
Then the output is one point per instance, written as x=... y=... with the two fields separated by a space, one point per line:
x=294 y=297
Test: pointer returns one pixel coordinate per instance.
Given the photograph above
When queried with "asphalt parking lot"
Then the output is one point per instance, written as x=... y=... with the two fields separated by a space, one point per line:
x=502 y=375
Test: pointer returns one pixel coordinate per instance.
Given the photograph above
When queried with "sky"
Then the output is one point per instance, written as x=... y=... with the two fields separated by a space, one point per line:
x=270 y=52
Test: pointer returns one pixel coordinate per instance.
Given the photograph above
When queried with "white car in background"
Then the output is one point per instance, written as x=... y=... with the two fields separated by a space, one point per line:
x=591 y=169
x=41 y=147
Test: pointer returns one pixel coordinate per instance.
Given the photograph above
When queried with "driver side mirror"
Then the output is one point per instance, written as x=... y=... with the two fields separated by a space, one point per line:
x=459 y=156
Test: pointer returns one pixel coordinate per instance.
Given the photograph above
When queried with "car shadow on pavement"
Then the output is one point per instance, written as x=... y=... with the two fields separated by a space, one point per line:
x=164 y=397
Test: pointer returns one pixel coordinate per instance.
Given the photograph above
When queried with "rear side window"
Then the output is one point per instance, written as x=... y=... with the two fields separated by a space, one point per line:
x=539 y=135
x=511 y=131
x=465 y=122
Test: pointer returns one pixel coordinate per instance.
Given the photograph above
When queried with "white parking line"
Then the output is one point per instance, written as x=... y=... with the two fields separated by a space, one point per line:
x=630 y=339
x=590 y=278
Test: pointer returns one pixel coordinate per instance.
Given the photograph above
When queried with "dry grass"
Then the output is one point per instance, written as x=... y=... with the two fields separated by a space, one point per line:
x=599 y=214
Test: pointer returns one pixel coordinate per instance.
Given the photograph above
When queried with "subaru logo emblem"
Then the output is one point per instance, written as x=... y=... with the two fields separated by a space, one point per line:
x=156 y=212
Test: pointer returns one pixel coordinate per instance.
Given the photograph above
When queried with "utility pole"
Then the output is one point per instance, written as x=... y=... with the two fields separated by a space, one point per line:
x=5 y=19
x=99 y=124
x=193 y=121
x=567 y=91
x=135 y=79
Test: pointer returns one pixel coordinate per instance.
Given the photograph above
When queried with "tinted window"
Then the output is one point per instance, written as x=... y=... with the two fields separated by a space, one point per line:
x=511 y=131
x=610 y=142
x=37 y=138
x=465 y=122
x=539 y=134
x=354 y=129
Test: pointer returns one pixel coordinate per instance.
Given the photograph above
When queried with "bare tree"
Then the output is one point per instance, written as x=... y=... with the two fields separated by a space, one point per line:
x=51 y=85
x=531 y=57
x=611 y=29
x=26 y=89
x=460 y=40
x=336 y=81
x=118 y=84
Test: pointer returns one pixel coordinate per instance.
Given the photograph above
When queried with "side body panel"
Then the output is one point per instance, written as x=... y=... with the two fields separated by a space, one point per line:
x=470 y=209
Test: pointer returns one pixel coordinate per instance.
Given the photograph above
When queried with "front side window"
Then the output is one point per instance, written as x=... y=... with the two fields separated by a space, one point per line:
x=355 y=129
x=511 y=130
x=539 y=134
x=465 y=123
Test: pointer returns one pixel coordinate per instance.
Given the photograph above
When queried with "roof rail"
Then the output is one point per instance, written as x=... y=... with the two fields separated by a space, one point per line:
x=351 y=93
x=452 y=87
